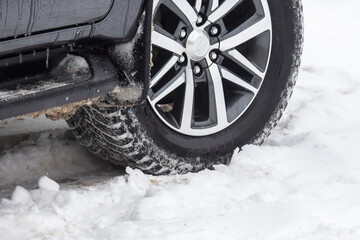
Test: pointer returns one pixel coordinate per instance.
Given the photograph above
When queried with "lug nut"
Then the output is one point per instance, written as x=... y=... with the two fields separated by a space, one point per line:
x=182 y=59
x=197 y=69
x=214 y=30
x=182 y=33
x=199 y=19
x=213 y=56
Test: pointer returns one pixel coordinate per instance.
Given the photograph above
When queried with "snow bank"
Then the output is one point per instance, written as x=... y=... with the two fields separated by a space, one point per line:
x=49 y=153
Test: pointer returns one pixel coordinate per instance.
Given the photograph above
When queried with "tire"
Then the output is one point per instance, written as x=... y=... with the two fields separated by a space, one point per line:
x=151 y=136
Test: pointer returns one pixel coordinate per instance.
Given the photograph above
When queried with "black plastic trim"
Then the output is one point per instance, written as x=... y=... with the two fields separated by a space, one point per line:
x=147 y=48
x=51 y=39
x=105 y=78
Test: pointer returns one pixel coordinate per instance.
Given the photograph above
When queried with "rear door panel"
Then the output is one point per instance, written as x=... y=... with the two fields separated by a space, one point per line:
x=24 y=17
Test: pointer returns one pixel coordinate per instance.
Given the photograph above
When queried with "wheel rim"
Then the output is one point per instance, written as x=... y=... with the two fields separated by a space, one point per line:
x=210 y=59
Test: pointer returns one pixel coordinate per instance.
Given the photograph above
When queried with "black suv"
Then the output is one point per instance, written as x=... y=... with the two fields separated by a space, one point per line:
x=167 y=86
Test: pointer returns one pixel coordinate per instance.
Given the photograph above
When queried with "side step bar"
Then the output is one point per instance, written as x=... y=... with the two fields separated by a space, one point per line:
x=105 y=78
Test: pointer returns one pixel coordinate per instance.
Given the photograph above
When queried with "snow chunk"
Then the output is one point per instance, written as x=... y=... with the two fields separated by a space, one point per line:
x=138 y=181
x=48 y=184
x=20 y=195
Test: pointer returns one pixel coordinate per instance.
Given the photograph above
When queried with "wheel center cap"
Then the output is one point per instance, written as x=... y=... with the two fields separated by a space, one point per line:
x=198 y=45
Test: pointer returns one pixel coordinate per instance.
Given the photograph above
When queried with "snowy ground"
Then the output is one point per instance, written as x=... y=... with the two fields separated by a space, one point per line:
x=302 y=184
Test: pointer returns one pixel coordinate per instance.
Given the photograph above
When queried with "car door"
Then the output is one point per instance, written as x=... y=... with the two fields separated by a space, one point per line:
x=25 y=17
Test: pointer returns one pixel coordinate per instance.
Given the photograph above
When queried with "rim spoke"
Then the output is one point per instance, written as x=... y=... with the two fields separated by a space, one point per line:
x=231 y=77
x=246 y=63
x=187 y=113
x=186 y=9
x=254 y=30
x=219 y=95
x=163 y=70
x=215 y=4
x=198 y=4
x=155 y=4
x=167 y=43
x=222 y=10
x=168 y=88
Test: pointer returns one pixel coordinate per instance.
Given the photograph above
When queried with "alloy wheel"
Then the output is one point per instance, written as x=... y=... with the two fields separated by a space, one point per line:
x=210 y=59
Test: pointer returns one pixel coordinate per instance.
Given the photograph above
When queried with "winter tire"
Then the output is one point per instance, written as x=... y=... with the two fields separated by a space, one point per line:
x=223 y=73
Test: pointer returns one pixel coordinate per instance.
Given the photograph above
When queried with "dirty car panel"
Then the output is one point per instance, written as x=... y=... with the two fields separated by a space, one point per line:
x=36 y=35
